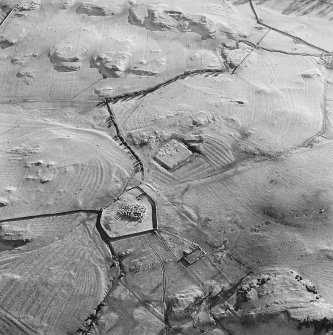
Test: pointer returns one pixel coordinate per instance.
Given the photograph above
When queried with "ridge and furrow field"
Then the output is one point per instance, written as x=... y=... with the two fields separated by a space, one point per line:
x=59 y=285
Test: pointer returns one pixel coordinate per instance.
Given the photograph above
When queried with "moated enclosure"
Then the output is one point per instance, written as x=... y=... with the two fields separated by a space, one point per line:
x=133 y=213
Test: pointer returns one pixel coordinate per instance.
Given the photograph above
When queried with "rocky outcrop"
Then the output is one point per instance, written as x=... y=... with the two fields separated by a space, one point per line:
x=111 y=64
x=198 y=24
x=29 y=5
x=156 y=19
x=276 y=291
x=181 y=301
x=93 y=10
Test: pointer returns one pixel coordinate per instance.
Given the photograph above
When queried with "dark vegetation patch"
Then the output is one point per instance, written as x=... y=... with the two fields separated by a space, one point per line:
x=6 y=245
x=319 y=325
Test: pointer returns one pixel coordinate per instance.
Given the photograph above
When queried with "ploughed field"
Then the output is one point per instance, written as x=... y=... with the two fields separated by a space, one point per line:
x=166 y=167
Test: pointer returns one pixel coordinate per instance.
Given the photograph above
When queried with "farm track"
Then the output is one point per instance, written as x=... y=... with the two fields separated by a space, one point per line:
x=164 y=283
x=191 y=275
x=224 y=294
x=256 y=46
x=93 y=317
x=10 y=325
x=259 y=21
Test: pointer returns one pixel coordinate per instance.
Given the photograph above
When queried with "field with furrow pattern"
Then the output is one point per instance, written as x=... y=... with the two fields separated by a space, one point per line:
x=57 y=286
x=52 y=168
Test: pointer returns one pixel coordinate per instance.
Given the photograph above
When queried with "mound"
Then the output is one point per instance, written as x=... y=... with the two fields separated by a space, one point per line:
x=20 y=59
x=104 y=92
x=205 y=59
x=65 y=52
x=142 y=71
x=66 y=4
x=66 y=58
x=26 y=73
